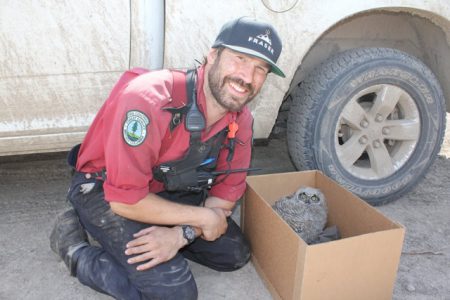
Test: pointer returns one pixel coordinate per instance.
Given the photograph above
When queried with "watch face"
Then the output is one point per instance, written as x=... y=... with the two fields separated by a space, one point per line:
x=188 y=233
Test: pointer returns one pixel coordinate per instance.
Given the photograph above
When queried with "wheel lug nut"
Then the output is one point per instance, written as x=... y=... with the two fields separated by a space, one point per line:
x=386 y=130
x=363 y=140
x=376 y=144
x=364 y=124
x=379 y=118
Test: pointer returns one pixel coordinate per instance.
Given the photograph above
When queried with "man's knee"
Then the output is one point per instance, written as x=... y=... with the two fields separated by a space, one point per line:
x=243 y=256
x=233 y=255
x=228 y=253
x=170 y=280
x=239 y=256
x=238 y=247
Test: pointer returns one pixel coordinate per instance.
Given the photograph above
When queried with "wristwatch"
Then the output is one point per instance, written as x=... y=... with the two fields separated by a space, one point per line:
x=188 y=233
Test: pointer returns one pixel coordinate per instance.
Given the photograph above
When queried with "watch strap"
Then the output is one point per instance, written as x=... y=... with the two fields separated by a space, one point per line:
x=188 y=233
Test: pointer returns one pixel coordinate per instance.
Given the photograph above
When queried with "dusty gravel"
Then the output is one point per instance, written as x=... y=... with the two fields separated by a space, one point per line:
x=424 y=271
x=32 y=191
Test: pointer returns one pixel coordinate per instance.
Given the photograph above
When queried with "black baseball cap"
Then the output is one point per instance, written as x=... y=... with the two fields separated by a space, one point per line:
x=252 y=37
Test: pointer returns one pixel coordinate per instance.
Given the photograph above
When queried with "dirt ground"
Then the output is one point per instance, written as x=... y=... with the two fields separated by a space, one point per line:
x=424 y=271
x=32 y=192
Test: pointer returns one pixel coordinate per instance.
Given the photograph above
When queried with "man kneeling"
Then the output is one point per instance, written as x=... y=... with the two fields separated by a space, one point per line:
x=161 y=168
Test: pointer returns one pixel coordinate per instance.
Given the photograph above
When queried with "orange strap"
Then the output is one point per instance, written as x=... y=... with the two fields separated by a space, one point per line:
x=232 y=128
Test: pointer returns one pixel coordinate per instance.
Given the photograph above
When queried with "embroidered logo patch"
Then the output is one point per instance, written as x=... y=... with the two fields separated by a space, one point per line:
x=135 y=128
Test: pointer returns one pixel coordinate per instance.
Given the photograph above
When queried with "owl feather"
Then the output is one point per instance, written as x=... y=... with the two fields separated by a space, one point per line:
x=305 y=211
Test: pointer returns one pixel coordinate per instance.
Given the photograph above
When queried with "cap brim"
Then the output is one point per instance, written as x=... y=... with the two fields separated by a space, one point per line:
x=274 y=69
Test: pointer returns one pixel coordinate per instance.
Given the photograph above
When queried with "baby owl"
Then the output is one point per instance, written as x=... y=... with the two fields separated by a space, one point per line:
x=305 y=211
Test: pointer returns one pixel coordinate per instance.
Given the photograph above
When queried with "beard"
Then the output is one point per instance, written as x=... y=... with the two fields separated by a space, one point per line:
x=220 y=94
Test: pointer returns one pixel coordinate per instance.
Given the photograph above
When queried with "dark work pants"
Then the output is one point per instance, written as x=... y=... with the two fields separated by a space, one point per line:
x=106 y=270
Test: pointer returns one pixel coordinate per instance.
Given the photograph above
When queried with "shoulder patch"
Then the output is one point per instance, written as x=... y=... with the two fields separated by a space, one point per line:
x=135 y=128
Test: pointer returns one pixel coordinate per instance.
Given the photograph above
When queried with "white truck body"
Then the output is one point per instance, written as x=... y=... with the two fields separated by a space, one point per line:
x=60 y=59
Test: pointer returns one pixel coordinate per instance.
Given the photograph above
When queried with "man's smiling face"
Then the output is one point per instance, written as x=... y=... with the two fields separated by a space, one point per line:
x=235 y=78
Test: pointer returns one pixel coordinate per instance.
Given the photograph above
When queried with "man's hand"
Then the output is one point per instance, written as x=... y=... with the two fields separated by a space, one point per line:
x=157 y=244
x=215 y=224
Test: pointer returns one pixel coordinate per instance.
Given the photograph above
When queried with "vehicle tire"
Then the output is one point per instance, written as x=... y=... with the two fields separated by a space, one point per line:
x=373 y=119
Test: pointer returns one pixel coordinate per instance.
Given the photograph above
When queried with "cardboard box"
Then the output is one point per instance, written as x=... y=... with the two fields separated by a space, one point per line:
x=361 y=265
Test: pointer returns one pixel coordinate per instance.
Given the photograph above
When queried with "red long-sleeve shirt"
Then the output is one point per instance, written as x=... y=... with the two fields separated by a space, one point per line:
x=130 y=135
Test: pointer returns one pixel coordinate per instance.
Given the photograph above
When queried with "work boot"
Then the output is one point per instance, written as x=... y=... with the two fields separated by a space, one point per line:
x=67 y=238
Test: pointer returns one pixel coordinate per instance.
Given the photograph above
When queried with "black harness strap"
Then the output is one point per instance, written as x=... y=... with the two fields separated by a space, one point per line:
x=177 y=115
x=194 y=119
x=183 y=174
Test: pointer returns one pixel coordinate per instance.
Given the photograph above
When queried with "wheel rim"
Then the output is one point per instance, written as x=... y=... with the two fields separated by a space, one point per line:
x=377 y=132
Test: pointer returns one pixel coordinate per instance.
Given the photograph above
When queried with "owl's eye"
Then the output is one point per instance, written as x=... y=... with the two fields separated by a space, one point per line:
x=315 y=198
x=303 y=197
